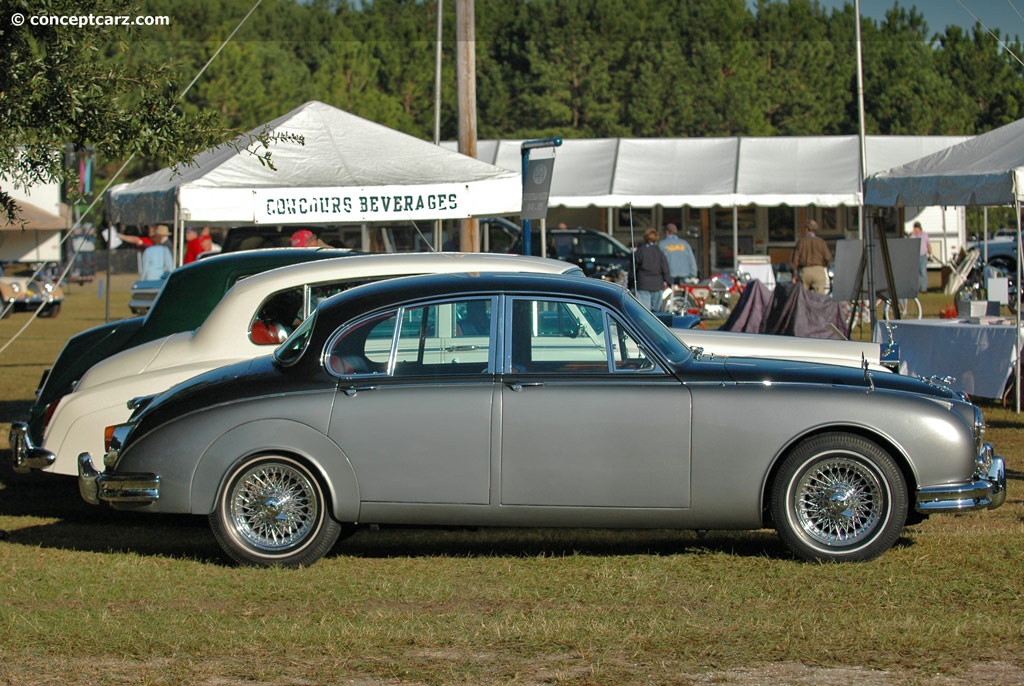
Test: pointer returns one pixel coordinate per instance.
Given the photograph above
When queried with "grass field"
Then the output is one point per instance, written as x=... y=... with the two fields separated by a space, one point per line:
x=91 y=596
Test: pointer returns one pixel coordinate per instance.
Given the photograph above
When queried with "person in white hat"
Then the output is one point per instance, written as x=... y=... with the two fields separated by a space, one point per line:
x=157 y=259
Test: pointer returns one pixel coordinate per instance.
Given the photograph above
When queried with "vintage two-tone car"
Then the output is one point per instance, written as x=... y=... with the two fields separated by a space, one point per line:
x=69 y=416
x=539 y=400
x=252 y=319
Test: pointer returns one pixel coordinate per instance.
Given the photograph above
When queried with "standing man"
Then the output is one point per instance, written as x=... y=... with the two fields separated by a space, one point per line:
x=922 y=260
x=682 y=264
x=650 y=275
x=157 y=259
x=811 y=257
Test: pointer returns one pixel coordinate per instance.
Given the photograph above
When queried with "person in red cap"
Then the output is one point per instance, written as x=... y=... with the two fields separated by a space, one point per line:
x=303 y=238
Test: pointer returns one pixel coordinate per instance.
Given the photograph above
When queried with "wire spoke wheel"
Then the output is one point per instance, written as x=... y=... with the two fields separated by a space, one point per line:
x=272 y=511
x=273 y=506
x=839 y=497
x=838 y=501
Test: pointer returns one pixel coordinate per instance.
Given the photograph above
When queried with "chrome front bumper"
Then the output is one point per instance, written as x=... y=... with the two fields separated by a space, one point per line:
x=100 y=487
x=25 y=455
x=986 y=492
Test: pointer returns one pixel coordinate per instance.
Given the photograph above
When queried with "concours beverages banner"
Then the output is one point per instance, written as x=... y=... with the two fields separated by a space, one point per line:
x=342 y=205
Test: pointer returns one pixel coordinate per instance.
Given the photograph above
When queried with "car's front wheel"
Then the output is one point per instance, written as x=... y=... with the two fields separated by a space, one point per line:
x=839 y=497
x=50 y=311
x=271 y=511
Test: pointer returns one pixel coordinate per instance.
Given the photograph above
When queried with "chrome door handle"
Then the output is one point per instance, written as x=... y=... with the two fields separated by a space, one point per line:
x=518 y=386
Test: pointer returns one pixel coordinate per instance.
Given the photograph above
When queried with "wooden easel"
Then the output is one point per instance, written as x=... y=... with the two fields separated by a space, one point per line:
x=890 y=279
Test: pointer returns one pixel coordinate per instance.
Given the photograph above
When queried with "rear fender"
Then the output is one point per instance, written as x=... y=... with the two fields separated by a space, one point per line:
x=278 y=437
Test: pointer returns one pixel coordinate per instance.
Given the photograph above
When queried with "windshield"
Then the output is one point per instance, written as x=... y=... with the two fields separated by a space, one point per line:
x=666 y=342
x=291 y=350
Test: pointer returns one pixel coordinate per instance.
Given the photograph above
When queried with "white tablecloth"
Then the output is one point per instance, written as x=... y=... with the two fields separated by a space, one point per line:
x=979 y=356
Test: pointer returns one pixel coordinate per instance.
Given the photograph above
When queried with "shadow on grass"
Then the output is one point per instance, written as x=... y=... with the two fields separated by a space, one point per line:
x=14 y=410
x=82 y=527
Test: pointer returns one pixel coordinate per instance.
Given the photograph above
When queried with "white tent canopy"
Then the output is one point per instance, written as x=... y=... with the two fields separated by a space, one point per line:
x=348 y=170
x=705 y=172
x=984 y=170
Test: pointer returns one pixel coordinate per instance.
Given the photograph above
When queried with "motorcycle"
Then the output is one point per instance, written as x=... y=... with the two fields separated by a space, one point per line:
x=711 y=298
x=970 y=275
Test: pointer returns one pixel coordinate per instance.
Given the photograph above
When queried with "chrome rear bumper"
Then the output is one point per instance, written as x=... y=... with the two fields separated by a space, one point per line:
x=97 y=487
x=25 y=455
x=986 y=492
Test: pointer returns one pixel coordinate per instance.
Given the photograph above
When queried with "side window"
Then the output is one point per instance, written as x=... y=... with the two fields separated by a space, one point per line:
x=445 y=339
x=439 y=339
x=364 y=348
x=282 y=312
x=277 y=317
x=559 y=337
x=627 y=354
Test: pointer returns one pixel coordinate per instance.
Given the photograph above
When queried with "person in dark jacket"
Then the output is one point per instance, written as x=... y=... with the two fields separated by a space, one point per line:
x=650 y=274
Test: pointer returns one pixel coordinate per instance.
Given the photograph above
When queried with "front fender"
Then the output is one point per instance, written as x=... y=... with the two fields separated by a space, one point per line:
x=280 y=436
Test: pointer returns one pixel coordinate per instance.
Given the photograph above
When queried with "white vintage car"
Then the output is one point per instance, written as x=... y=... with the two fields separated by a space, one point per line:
x=259 y=312
x=252 y=319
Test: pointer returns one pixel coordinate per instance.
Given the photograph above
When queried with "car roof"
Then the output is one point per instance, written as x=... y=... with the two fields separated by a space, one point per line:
x=425 y=287
x=206 y=280
x=400 y=264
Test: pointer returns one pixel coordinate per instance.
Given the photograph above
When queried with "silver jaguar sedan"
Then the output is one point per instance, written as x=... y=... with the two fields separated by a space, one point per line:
x=539 y=400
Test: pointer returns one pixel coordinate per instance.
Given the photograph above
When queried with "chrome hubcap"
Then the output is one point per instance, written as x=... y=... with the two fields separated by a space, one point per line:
x=839 y=501
x=274 y=506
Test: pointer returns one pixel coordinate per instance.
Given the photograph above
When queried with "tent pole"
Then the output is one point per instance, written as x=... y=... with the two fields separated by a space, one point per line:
x=735 y=238
x=179 y=236
x=1016 y=362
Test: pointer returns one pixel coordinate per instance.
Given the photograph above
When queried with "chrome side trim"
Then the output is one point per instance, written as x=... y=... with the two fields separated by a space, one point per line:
x=25 y=455
x=96 y=487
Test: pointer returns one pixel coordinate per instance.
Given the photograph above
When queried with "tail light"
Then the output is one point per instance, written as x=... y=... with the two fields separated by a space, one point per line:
x=108 y=437
x=48 y=413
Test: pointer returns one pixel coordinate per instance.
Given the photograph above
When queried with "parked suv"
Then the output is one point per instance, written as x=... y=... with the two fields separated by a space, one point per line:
x=594 y=252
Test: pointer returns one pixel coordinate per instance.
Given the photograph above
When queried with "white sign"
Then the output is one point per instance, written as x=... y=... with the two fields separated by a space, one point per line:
x=341 y=205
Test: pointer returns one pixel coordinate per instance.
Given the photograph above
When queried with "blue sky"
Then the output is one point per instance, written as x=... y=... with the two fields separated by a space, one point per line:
x=1004 y=15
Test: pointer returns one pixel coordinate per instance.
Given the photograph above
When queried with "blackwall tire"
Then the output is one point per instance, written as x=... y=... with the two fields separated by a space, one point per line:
x=271 y=512
x=839 y=497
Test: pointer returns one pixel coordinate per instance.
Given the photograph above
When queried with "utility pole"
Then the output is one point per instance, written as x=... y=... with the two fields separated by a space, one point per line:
x=465 y=67
x=437 y=104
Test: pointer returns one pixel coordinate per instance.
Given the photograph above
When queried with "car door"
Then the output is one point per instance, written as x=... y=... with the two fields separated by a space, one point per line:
x=588 y=417
x=414 y=408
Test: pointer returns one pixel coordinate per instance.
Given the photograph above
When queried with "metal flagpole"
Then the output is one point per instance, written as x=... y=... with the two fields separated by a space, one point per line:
x=867 y=234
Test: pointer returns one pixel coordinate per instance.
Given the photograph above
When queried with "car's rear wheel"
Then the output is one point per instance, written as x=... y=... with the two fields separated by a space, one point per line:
x=271 y=511
x=839 y=497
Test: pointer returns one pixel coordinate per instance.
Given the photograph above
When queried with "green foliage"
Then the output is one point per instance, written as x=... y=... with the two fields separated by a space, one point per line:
x=84 y=87
x=572 y=68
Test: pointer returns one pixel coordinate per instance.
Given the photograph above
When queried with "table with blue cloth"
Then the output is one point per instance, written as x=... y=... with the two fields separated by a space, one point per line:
x=979 y=356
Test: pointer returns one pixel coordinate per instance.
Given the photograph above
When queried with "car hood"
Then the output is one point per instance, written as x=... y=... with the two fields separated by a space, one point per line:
x=821 y=350
x=766 y=371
